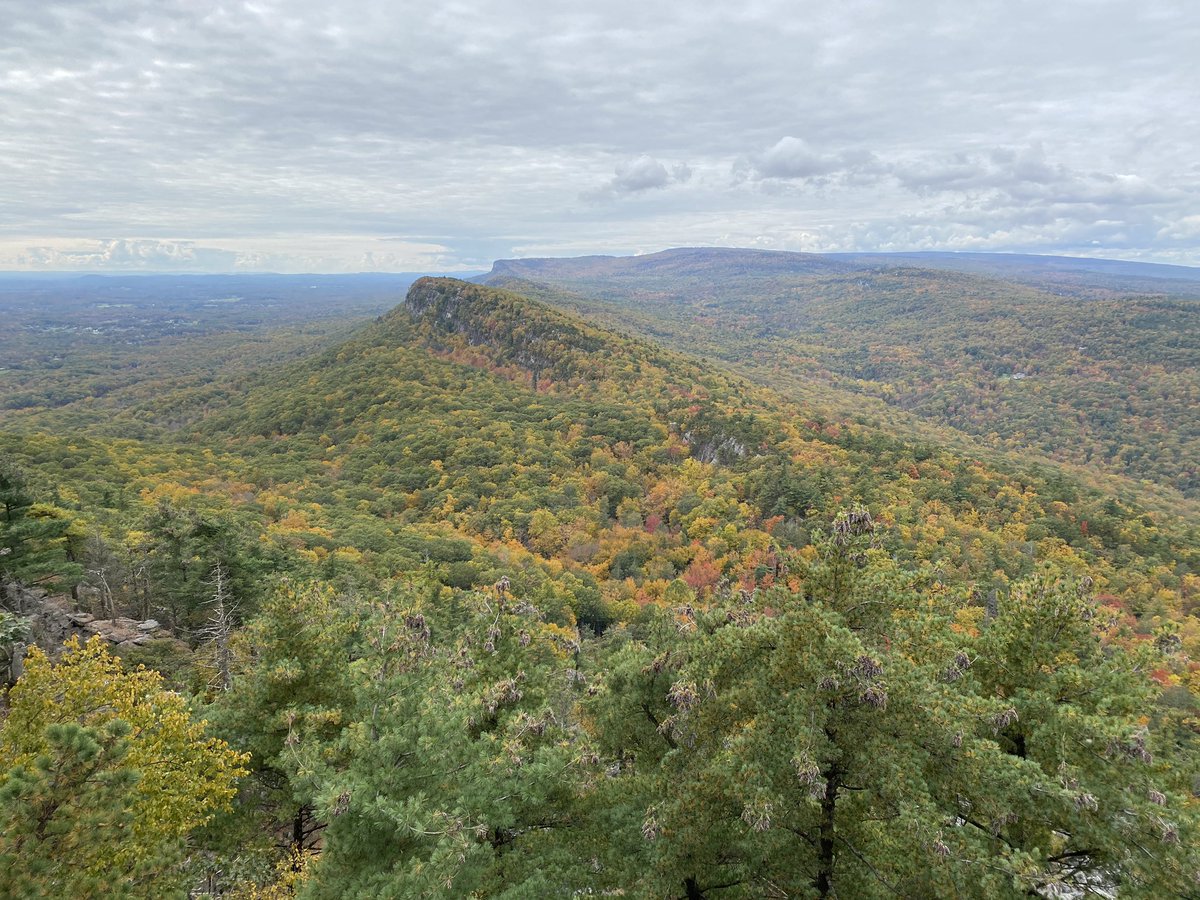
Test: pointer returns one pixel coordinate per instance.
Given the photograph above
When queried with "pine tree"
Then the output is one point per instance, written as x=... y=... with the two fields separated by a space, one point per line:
x=457 y=754
x=291 y=682
x=106 y=774
x=39 y=542
x=855 y=739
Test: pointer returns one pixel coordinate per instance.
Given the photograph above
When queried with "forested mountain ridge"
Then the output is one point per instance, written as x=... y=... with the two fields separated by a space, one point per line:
x=1058 y=274
x=1097 y=378
x=622 y=451
x=510 y=421
x=1067 y=274
x=501 y=603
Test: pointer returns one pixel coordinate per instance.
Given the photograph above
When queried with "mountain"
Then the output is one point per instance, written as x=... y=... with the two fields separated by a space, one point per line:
x=1089 y=376
x=513 y=423
x=487 y=599
x=1061 y=274
x=627 y=464
x=680 y=263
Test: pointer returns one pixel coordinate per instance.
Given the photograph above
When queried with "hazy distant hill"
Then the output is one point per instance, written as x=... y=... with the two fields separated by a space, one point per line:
x=1079 y=273
x=683 y=262
x=70 y=337
x=1081 y=372
x=1056 y=273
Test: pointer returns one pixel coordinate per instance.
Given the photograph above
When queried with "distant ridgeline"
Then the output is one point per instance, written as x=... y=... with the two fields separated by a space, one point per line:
x=489 y=598
x=1091 y=362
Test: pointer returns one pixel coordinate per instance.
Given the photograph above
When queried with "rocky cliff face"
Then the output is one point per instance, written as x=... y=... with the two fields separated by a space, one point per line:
x=450 y=306
x=516 y=330
x=53 y=621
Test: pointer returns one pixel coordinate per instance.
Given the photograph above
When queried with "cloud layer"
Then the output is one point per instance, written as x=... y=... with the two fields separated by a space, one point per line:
x=338 y=136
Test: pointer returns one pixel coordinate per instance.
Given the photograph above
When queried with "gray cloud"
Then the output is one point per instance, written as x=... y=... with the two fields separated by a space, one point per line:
x=793 y=158
x=137 y=134
x=642 y=173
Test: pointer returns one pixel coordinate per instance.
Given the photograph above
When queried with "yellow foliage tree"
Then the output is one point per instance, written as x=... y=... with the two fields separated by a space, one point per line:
x=105 y=774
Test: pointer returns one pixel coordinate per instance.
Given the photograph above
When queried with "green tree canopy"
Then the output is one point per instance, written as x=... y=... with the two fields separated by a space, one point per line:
x=105 y=776
x=854 y=739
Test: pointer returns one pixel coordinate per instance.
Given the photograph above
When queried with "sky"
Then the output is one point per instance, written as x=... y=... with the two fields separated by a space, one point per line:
x=354 y=135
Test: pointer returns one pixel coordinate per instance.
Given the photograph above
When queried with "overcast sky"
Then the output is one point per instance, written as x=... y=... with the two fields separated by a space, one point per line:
x=352 y=135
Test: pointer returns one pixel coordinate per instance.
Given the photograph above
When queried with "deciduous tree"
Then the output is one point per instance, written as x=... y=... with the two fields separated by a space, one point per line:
x=106 y=774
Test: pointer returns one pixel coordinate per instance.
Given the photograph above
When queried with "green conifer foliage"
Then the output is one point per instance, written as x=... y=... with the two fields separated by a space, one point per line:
x=105 y=776
x=854 y=739
x=38 y=541
x=451 y=755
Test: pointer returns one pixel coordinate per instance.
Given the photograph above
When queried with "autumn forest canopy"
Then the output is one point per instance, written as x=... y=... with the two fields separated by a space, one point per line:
x=704 y=574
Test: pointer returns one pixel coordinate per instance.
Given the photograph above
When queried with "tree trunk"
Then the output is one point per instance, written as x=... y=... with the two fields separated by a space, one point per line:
x=826 y=857
x=298 y=833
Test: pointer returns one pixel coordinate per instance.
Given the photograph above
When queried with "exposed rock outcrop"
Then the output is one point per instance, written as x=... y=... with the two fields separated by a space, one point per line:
x=517 y=330
x=53 y=621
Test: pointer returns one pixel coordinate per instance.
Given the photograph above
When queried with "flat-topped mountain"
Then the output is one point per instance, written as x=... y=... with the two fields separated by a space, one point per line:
x=1063 y=273
x=689 y=261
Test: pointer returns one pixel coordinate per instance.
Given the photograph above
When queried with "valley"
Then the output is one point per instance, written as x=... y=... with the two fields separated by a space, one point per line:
x=645 y=561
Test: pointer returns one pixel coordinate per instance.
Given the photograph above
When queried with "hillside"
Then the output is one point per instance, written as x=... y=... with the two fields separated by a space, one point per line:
x=1090 y=376
x=1057 y=274
x=489 y=600
x=626 y=464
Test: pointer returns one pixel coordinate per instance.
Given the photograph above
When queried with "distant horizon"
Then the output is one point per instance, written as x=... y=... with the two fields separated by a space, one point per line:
x=477 y=271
